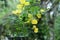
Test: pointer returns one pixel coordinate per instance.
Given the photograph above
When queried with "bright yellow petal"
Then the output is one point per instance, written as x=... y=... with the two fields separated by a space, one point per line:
x=36 y=30
x=19 y=6
x=14 y=12
x=39 y=15
x=34 y=26
x=27 y=3
x=22 y=1
x=34 y=21
x=42 y=10
x=18 y=11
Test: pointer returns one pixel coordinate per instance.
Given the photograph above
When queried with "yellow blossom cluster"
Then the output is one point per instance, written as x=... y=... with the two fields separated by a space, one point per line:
x=35 y=29
x=24 y=2
x=34 y=21
x=20 y=6
x=16 y=11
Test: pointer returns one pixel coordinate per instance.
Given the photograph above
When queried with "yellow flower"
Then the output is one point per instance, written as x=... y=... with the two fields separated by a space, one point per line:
x=30 y=15
x=27 y=3
x=22 y=1
x=36 y=30
x=34 y=26
x=19 y=6
x=34 y=21
x=16 y=12
x=42 y=10
x=39 y=15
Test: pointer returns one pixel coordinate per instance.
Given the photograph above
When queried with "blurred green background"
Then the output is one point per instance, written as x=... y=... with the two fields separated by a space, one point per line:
x=11 y=5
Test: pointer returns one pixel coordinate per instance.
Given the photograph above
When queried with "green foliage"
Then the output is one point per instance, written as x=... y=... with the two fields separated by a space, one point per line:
x=57 y=28
x=15 y=24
